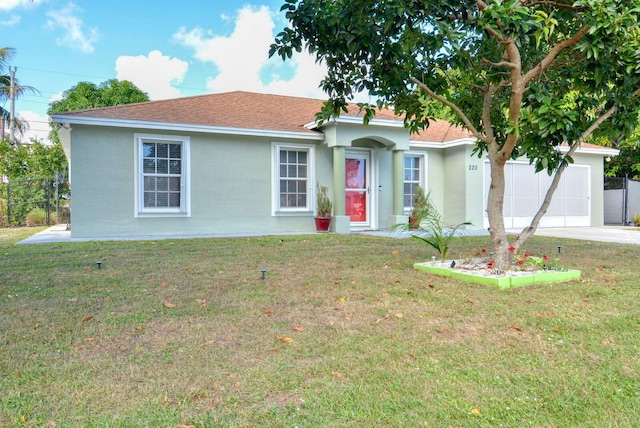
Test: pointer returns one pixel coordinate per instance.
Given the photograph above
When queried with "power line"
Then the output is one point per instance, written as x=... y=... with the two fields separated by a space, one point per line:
x=185 y=88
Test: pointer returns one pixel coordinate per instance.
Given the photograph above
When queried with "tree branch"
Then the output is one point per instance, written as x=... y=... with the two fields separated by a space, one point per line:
x=452 y=106
x=499 y=64
x=486 y=116
x=553 y=53
x=554 y=4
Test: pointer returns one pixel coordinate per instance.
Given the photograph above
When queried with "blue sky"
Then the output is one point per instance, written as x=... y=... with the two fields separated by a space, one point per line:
x=168 y=49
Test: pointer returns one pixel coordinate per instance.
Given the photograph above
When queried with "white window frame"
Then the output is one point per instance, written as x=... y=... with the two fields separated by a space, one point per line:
x=276 y=209
x=423 y=174
x=185 y=188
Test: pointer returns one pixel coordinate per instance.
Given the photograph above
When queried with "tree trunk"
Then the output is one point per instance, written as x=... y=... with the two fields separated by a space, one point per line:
x=495 y=208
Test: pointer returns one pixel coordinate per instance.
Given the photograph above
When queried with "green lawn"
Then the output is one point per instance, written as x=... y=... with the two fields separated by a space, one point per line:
x=342 y=333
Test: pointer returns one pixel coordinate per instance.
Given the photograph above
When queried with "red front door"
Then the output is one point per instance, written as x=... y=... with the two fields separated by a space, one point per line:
x=357 y=188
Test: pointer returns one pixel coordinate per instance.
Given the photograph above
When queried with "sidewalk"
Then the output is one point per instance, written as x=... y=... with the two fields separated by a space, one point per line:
x=619 y=234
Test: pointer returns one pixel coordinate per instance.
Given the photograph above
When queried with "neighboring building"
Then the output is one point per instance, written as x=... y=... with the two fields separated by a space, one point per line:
x=248 y=163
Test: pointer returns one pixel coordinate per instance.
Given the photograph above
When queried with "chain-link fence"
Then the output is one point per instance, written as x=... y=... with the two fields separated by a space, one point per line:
x=34 y=202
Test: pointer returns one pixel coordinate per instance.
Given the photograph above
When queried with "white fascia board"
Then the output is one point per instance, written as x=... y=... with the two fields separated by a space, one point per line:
x=358 y=120
x=443 y=145
x=184 y=127
x=604 y=151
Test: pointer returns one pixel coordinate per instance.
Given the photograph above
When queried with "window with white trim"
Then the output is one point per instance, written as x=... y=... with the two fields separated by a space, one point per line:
x=162 y=175
x=414 y=176
x=293 y=178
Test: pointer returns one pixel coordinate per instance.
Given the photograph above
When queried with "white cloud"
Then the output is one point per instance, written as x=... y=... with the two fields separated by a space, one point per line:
x=154 y=74
x=242 y=58
x=13 y=20
x=75 y=35
x=13 y=4
x=38 y=127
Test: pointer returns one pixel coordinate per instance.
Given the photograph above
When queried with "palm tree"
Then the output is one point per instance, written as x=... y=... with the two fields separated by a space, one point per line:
x=5 y=91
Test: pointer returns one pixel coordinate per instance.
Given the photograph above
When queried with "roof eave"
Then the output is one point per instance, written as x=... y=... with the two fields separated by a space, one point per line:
x=185 y=127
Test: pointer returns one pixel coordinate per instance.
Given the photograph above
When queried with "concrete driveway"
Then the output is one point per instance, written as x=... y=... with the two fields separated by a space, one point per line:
x=619 y=234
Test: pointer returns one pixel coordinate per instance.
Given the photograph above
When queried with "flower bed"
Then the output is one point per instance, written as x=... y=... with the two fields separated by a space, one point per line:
x=477 y=274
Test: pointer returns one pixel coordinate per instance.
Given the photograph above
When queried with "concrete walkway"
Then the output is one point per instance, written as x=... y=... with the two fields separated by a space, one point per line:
x=619 y=234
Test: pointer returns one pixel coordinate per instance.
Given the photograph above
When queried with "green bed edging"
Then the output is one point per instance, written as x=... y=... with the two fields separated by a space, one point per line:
x=509 y=280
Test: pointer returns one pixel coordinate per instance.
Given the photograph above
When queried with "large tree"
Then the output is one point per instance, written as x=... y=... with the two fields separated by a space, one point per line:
x=86 y=95
x=526 y=77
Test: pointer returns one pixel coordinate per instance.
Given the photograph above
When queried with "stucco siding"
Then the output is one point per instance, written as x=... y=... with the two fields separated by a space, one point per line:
x=230 y=187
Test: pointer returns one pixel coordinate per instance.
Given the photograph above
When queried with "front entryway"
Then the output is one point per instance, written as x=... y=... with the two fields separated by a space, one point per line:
x=358 y=182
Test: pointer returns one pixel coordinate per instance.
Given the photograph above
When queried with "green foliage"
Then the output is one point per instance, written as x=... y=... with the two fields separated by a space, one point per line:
x=427 y=225
x=3 y=213
x=323 y=203
x=421 y=207
x=36 y=217
x=86 y=95
x=33 y=160
x=31 y=169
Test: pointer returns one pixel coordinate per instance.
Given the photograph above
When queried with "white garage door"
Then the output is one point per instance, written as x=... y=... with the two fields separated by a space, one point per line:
x=525 y=191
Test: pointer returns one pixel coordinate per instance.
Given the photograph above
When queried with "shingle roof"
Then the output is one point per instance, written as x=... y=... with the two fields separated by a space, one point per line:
x=248 y=110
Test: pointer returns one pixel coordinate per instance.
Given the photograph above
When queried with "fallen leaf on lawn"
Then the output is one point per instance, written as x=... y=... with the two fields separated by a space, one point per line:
x=185 y=426
x=336 y=374
x=52 y=424
x=399 y=315
x=341 y=300
x=476 y=411
x=37 y=326
x=268 y=312
x=298 y=328
x=395 y=253
x=440 y=291
x=539 y=315
x=164 y=283
x=353 y=282
x=87 y=318
x=555 y=330
x=89 y=339
x=478 y=326
x=585 y=300
x=284 y=339
x=516 y=327
x=383 y=318
x=169 y=304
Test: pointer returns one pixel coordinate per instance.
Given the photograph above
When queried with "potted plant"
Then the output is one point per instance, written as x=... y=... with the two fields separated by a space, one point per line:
x=323 y=207
x=420 y=208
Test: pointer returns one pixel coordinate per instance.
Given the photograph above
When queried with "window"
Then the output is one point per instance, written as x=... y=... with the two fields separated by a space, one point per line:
x=292 y=179
x=414 y=176
x=162 y=175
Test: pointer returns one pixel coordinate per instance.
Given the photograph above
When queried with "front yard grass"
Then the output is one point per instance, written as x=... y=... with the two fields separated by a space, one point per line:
x=343 y=332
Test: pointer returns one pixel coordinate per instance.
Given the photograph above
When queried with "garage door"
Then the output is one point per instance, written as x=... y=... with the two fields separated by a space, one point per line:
x=525 y=191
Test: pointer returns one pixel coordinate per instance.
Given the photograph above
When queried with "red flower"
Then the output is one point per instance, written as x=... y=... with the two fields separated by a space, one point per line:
x=484 y=250
x=526 y=256
x=520 y=262
x=545 y=258
x=512 y=249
